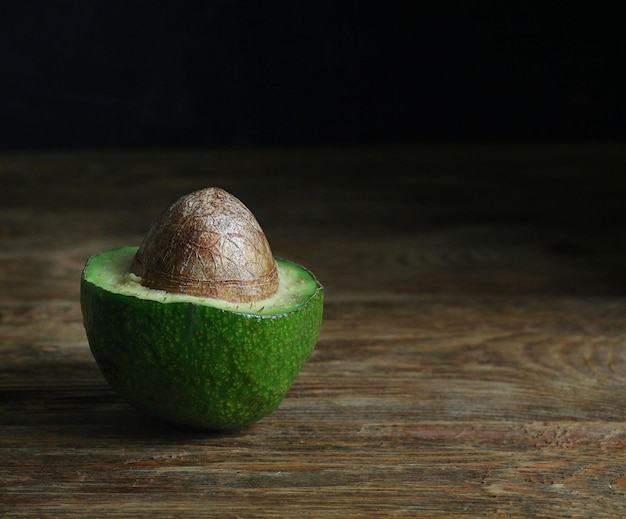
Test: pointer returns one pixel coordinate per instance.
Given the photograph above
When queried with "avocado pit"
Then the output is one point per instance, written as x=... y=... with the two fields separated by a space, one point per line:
x=208 y=244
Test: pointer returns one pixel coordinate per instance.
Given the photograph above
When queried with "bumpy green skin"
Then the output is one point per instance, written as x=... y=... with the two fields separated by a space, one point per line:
x=194 y=364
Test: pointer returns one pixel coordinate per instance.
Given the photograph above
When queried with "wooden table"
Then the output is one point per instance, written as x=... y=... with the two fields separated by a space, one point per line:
x=472 y=360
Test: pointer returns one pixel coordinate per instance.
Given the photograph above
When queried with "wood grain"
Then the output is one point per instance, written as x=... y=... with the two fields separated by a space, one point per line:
x=472 y=360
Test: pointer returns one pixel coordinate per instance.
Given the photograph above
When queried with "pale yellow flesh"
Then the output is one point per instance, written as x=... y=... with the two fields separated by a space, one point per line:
x=111 y=271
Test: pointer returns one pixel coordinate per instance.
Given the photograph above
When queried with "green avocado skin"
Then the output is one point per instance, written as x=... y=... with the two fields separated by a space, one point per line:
x=194 y=364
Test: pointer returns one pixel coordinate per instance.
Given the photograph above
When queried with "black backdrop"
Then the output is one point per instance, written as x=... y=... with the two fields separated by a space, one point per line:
x=228 y=73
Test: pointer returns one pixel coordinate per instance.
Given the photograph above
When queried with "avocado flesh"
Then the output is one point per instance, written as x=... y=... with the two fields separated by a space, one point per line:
x=198 y=361
x=111 y=270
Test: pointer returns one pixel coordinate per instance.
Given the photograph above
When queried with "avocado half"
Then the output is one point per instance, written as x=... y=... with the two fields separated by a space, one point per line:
x=197 y=361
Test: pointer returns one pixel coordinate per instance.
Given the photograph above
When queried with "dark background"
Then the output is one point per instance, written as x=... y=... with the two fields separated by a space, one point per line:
x=239 y=73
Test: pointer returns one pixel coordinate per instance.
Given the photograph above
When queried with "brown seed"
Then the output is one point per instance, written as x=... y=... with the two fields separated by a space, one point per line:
x=209 y=244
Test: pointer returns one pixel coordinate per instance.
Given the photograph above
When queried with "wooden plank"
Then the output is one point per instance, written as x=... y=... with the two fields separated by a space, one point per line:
x=471 y=362
x=425 y=414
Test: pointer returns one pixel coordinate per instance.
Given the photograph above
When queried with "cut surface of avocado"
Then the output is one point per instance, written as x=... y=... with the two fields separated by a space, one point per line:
x=110 y=270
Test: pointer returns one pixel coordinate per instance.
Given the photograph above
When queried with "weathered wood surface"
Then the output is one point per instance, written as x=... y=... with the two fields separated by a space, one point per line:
x=472 y=361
